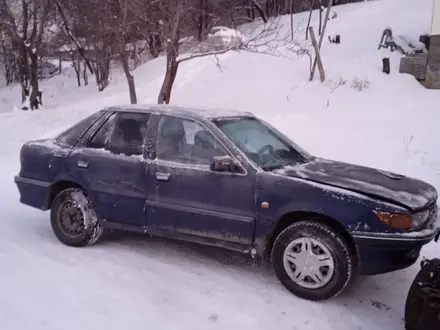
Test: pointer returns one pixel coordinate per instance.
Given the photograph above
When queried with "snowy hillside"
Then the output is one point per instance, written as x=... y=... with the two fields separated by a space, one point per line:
x=135 y=282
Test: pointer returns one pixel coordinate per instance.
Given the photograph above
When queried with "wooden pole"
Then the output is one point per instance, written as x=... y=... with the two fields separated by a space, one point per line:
x=327 y=14
x=318 y=55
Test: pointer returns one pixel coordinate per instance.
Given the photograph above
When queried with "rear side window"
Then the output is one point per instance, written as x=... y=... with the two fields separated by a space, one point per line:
x=100 y=139
x=122 y=133
x=73 y=134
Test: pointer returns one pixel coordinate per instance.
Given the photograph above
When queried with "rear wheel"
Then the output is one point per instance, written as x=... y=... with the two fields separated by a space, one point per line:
x=74 y=220
x=312 y=260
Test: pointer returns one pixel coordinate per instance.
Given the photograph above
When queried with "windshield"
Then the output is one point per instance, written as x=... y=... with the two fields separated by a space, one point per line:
x=261 y=143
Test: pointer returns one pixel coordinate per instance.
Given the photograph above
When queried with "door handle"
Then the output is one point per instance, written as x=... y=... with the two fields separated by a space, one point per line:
x=82 y=164
x=163 y=176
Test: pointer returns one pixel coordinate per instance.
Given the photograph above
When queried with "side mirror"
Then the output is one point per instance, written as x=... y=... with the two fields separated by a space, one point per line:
x=224 y=164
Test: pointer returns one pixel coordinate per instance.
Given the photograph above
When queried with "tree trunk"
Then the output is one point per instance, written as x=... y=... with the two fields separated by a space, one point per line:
x=23 y=69
x=288 y=6
x=102 y=66
x=201 y=20
x=172 y=53
x=168 y=82
x=34 y=80
x=291 y=19
x=77 y=68
x=154 y=45
x=260 y=10
x=24 y=96
x=320 y=19
x=135 y=55
x=309 y=20
x=130 y=79
x=269 y=4
x=85 y=75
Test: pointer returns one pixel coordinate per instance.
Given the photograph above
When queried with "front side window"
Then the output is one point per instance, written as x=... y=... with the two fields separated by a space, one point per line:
x=123 y=133
x=185 y=141
x=260 y=143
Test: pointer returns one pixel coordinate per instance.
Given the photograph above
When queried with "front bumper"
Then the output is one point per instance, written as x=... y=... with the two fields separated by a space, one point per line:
x=382 y=253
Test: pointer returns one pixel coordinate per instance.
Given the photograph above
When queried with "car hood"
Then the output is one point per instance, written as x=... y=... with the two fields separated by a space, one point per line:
x=408 y=192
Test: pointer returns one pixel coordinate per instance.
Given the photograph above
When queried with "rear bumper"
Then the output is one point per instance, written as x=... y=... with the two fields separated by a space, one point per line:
x=32 y=192
x=383 y=253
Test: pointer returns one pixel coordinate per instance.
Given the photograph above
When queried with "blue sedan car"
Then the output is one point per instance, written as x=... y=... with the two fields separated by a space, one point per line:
x=228 y=179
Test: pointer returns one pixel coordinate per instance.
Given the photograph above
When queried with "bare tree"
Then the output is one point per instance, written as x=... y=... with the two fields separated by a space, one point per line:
x=8 y=61
x=67 y=25
x=121 y=26
x=76 y=64
x=203 y=18
x=268 y=41
x=172 y=52
x=24 y=22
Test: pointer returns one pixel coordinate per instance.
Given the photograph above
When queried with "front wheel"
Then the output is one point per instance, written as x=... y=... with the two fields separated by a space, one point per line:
x=74 y=220
x=312 y=260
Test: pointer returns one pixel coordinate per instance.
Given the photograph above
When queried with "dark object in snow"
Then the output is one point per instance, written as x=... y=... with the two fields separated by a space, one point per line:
x=425 y=39
x=334 y=39
x=380 y=305
x=38 y=101
x=422 y=310
x=194 y=175
x=386 y=65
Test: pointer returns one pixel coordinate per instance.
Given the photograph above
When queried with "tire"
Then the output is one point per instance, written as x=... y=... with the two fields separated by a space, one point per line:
x=422 y=307
x=325 y=247
x=85 y=228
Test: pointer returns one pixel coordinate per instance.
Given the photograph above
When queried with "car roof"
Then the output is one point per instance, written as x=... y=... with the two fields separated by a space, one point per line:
x=184 y=111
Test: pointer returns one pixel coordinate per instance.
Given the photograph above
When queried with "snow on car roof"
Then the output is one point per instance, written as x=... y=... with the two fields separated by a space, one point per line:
x=193 y=112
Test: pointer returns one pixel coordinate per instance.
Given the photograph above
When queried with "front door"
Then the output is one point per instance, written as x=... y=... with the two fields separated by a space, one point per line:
x=112 y=168
x=190 y=198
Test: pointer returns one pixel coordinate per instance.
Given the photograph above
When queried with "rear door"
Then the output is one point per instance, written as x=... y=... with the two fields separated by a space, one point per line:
x=191 y=199
x=111 y=166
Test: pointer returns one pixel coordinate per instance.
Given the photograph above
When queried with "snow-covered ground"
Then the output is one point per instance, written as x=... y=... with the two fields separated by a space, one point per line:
x=135 y=282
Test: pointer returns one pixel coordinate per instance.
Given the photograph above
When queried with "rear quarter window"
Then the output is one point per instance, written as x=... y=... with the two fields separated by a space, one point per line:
x=72 y=135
